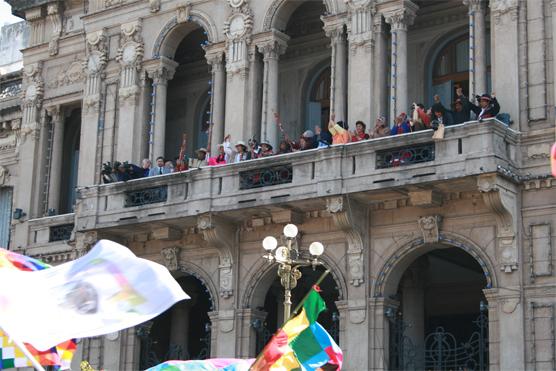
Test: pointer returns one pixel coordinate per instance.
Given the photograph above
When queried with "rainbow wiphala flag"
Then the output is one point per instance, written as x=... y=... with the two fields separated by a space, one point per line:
x=10 y=355
x=302 y=343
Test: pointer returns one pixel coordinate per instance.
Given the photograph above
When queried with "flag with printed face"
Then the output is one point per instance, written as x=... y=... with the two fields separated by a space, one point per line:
x=107 y=290
x=10 y=355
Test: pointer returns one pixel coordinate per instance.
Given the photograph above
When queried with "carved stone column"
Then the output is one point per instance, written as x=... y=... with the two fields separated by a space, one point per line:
x=505 y=48
x=399 y=21
x=553 y=8
x=35 y=18
x=55 y=17
x=130 y=57
x=160 y=76
x=477 y=47
x=380 y=93
x=271 y=50
x=351 y=218
x=334 y=29
x=221 y=235
x=361 y=63
x=215 y=58
x=55 y=177
x=97 y=58
x=237 y=28
x=500 y=196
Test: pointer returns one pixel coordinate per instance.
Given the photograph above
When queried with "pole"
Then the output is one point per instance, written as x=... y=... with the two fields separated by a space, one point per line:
x=25 y=351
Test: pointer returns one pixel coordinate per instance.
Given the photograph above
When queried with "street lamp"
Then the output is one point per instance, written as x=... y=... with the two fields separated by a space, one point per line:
x=289 y=261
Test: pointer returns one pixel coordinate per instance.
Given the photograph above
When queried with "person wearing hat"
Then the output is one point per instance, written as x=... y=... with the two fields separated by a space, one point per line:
x=360 y=133
x=488 y=106
x=381 y=129
x=199 y=160
x=266 y=149
x=240 y=153
x=441 y=115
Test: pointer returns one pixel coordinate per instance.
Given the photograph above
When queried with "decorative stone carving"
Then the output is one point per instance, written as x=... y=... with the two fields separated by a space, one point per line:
x=346 y=221
x=154 y=5
x=54 y=12
x=130 y=56
x=220 y=234
x=401 y=19
x=4 y=175
x=183 y=12
x=32 y=95
x=500 y=197
x=430 y=228
x=500 y=8
x=97 y=50
x=69 y=75
x=170 y=256
x=238 y=28
x=84 y=242
x=360 y=24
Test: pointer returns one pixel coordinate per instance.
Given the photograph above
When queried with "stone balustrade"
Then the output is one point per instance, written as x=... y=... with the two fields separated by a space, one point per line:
x=51 y=230
x=468 y=149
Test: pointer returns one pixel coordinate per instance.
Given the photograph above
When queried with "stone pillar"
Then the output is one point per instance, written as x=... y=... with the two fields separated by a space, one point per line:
x=399 y=21
x=56 y=175
x=334 y=29
x=271 y=50
x=255 y=93
x=252 y=322
x=130 y=57
x=413 y=310
x=553 y=8
x=361 y=63
x=477 y=47
x=35 y=17
x=179 y=331
x=218 y=97
x=91 y=119
x=380 y=100
x=164 y=72
x=237 y=28
x=504 y=51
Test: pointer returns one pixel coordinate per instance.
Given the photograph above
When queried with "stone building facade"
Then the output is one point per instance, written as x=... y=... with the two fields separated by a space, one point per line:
x=431 y=244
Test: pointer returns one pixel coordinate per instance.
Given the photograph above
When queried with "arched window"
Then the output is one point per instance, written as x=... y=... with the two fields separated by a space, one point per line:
x=319 y=100
x=451 y=69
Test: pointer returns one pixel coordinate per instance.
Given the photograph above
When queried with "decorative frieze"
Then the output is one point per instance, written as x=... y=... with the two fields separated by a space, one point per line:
x=68 y=75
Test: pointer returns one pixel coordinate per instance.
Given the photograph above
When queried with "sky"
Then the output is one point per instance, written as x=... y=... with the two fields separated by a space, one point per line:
x=6 y=16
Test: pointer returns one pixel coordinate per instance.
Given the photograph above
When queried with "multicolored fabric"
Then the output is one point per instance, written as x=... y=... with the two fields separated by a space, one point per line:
x=10 y=355
x=302 y=343
x=224 y=364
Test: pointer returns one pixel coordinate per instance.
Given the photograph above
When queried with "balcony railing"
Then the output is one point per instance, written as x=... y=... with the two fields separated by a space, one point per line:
x=379 y=164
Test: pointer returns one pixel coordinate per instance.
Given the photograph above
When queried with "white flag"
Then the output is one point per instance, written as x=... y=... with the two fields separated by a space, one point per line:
x=105 y=291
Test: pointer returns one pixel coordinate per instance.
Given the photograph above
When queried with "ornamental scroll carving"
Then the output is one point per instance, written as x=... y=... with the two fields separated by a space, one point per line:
x=170 y=256
x=32 y=97
x=220 y=234
x=360 y=24
x=347 y=219
x=130 y=56
x=500 y=196
x=430 y=228
x=238 y=28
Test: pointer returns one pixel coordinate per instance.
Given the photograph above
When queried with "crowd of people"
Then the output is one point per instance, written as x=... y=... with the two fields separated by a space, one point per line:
x=420 y=118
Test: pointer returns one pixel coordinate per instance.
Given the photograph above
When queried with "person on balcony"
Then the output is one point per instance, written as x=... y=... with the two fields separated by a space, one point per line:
x=401 y=125
x=159 y=169
x=441 y=116
x=339 y=131
x=284 y=147
x=360 y=132
x=254 y=148
x=488 y=106
x=266 y=149
x=146 y=164
x=323 y=137
x=199 y=160
x=419 y=118
x=240 y=153
x=381 y=129
x=220 y=159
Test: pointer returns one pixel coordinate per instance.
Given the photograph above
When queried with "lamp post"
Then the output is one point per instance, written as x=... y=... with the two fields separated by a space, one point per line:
x=289 y=261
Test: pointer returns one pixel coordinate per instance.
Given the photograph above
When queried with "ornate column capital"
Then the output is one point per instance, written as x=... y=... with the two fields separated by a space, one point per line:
x=274 y=46
x=500 y=8
x=97 y=53
x=214 y=54
x=164 y=71
x=475 y=5
x=55 y=114
x=131 y=49
x=401 y=19
x=334 y=27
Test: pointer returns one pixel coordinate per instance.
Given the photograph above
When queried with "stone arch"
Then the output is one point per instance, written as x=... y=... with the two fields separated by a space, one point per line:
x=279 y=11
x=392 y=270
x=262 y=275
x=204 y=277
x=173 y=32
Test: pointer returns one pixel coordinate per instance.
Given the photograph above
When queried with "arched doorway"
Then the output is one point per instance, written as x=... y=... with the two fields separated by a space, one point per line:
x=318 y=105
x=182 y=332
x=188 y=103
x=437 y=317
x=450 y=69
x=303 y=76
x=274 y=299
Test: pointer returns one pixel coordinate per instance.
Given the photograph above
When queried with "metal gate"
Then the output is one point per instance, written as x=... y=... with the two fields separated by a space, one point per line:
x=441 y=352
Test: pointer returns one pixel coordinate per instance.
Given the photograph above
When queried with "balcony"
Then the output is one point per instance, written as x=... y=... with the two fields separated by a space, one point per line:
x=371 y=167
